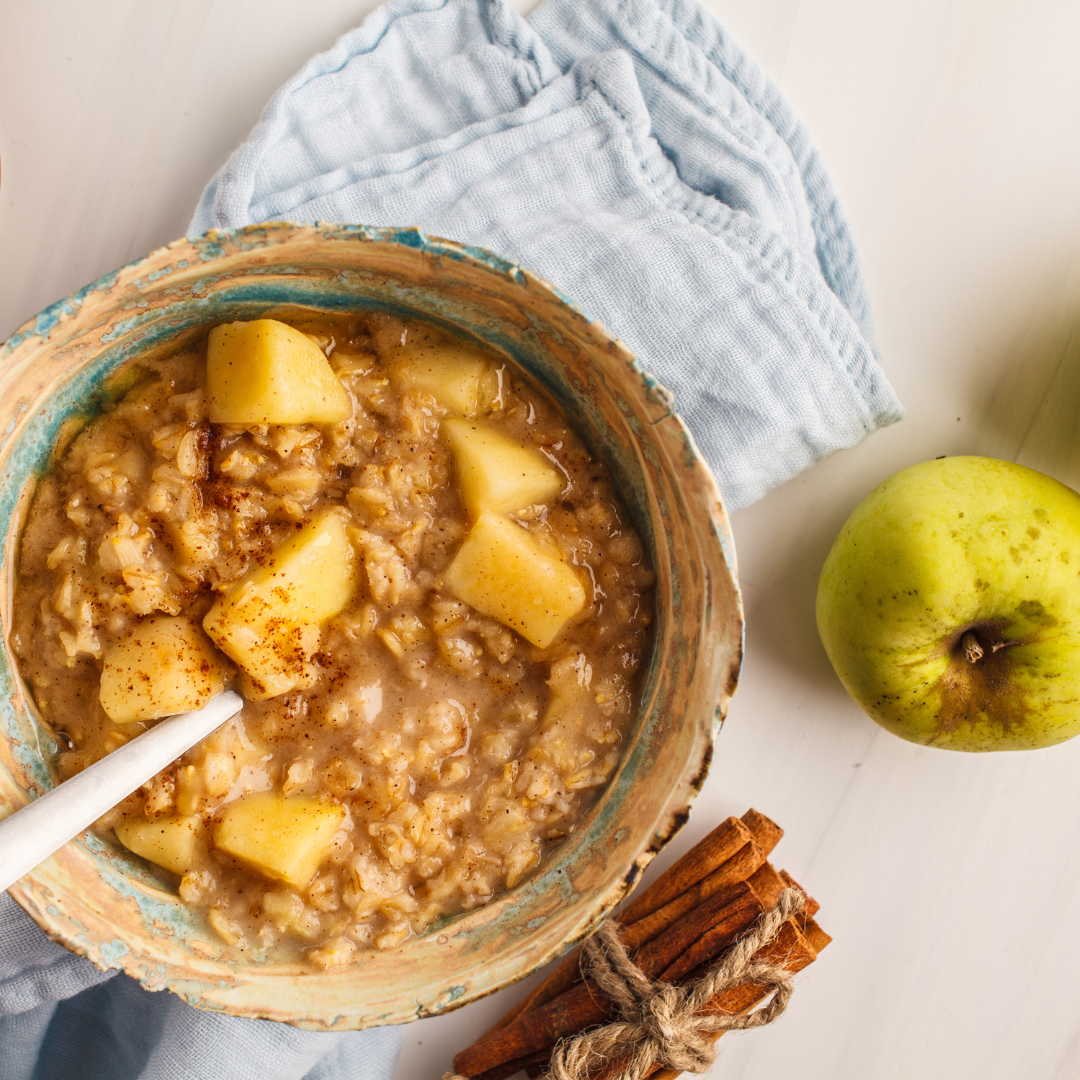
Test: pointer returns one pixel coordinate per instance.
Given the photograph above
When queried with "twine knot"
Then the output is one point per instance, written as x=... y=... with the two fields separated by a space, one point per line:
x=661 y=1023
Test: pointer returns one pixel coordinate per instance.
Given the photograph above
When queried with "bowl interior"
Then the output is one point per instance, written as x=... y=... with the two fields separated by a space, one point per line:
x=57 y=370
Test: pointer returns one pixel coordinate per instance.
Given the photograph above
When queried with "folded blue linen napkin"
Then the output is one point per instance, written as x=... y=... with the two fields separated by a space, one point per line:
x=629 y=152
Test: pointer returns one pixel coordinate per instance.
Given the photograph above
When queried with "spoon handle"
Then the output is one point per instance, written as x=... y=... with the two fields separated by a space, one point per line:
x=33 y=833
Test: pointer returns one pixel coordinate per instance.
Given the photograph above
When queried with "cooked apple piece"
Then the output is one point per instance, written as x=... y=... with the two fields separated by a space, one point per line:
x=284 y=839
x=456 y=375
x=505 y=574
x=269 y=620
x=495 y=473
x=170 y=842
x=165 y=665
x=264 y=372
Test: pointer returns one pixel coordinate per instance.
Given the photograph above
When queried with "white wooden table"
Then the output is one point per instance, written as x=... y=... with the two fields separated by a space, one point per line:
x=952 y=129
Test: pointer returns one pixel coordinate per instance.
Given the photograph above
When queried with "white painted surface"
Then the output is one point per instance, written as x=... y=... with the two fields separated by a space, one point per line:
x=951 y=129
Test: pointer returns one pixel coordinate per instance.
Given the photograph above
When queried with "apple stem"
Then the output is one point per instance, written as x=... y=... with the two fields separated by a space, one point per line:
x=972 y=649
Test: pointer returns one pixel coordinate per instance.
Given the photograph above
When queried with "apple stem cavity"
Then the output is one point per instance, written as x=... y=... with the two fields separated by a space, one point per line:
x=973 y=651
x=978 y=686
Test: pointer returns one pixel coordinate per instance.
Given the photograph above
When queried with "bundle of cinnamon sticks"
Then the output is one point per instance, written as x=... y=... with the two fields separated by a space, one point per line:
x=674 y=930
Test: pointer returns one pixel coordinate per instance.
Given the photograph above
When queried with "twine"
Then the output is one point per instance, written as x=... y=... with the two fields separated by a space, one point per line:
x=659 y=1022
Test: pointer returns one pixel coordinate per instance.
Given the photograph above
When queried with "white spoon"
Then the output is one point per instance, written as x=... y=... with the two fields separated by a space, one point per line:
x=33 y=833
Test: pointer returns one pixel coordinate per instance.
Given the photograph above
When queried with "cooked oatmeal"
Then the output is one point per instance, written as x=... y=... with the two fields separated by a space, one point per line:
x=426 y=591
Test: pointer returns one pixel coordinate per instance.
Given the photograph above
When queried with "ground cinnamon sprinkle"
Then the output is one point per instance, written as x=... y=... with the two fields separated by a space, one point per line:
x=460 y=751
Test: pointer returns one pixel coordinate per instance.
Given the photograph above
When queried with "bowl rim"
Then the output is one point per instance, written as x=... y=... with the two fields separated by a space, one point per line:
x=209 y=250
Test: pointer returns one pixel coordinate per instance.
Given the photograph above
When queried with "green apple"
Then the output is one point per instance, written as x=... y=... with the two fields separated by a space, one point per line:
x=949 y=606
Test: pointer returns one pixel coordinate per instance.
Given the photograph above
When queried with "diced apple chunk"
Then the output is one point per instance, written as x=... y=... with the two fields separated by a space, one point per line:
x=170 y=842
x=506 y=574
x=264 y=372
x=269 y=620
x=165 y=665
x=283 y=839
x=495 y=473
x=456 y=375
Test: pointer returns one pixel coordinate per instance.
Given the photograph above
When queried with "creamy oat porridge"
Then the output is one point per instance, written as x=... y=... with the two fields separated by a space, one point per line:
x=415 y=573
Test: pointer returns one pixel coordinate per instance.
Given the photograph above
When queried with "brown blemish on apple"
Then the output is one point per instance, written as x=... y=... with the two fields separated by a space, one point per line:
x=978 y=682
x=1033 y=609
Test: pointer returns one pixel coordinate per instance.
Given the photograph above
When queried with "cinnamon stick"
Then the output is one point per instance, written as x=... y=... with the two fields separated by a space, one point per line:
x=764 y=830
x=812 y=906
x=815 y=935
x=535 y=1063
x=795 y=947
x=700 y=953
x=724 y=916
x=767 y=883
x=676 y=929
x=805 y=918
x=745 y=862
x=791 y=950
x=700 y=861
x=736 y=869
x=728 y=854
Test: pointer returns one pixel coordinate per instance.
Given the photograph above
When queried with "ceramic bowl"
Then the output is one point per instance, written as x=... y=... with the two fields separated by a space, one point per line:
x=118 y=911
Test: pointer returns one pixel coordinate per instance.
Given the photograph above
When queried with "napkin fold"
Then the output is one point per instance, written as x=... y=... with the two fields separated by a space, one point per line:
x=631 y=153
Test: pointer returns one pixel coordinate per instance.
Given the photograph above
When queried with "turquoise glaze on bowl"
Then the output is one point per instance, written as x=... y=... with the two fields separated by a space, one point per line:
x=107 y=905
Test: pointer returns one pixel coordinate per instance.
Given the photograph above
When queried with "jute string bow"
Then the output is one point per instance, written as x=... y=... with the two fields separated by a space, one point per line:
x=660 y=1023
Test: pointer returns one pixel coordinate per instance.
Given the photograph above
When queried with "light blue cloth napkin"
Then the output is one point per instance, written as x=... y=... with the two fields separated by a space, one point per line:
x=628 y=151
x=62 y=1019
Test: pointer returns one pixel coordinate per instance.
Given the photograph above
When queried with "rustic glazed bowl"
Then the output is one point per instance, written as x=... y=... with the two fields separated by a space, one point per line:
x=120 y=912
